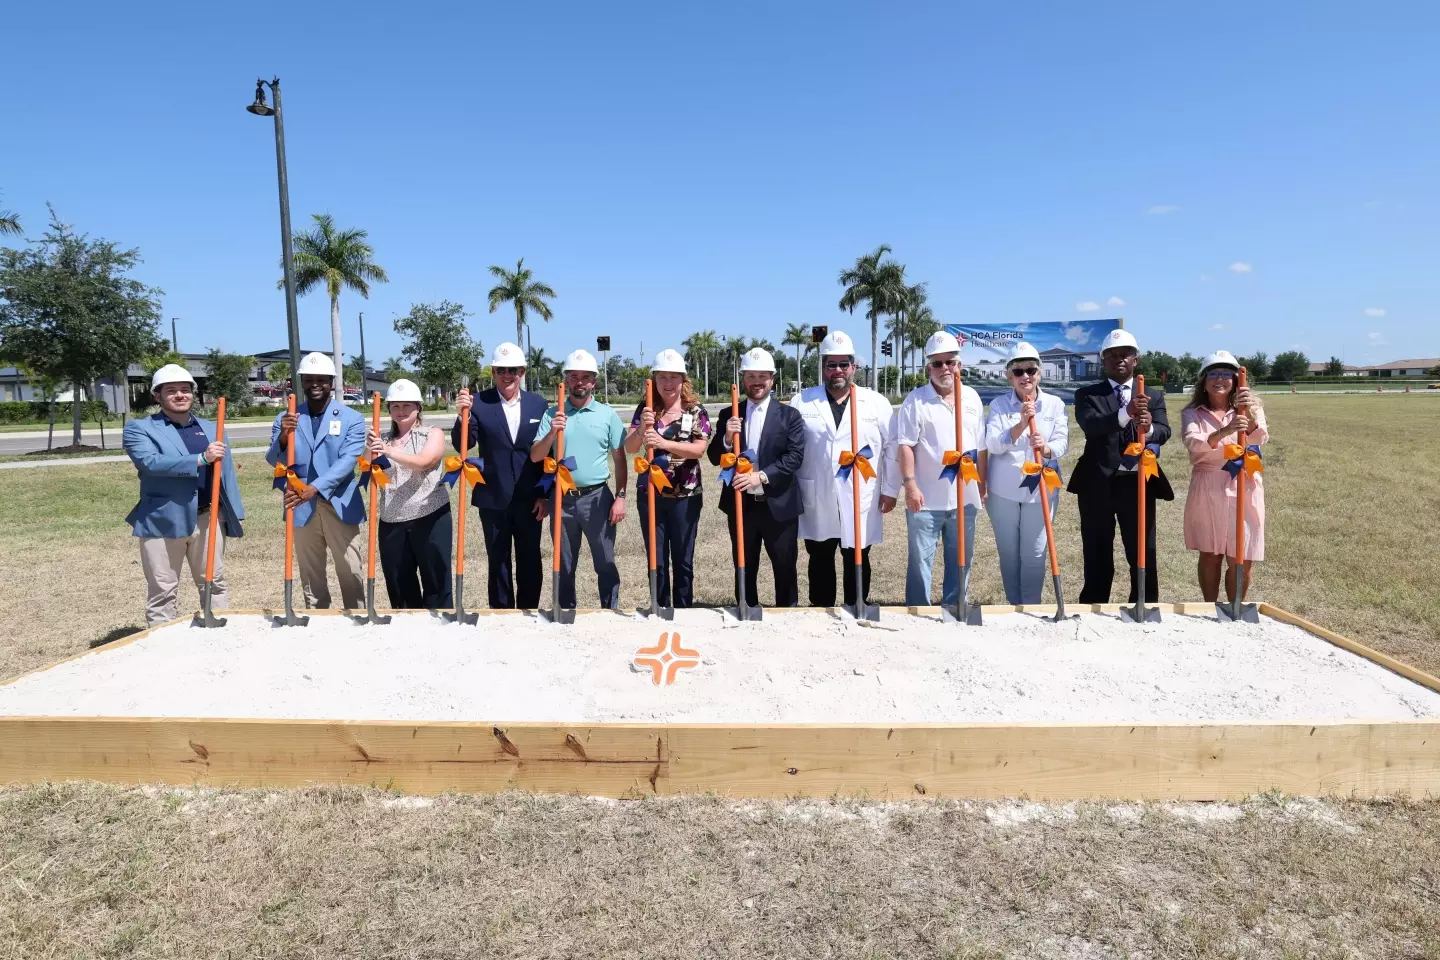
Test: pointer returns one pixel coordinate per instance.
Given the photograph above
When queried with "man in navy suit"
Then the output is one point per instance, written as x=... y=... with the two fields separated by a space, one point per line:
x=1111 y=414
x=775 y=433
x=503 y=423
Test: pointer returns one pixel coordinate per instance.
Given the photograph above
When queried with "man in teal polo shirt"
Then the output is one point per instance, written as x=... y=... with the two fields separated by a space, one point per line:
x=593 y=437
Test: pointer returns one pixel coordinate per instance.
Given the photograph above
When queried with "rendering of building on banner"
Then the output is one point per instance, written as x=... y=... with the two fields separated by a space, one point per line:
x=1069 y=350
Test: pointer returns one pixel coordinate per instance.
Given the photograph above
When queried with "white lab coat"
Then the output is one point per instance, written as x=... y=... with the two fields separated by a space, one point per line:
x=829 y=501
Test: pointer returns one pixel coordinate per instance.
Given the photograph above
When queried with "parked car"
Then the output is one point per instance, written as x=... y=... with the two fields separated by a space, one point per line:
x=354 y=398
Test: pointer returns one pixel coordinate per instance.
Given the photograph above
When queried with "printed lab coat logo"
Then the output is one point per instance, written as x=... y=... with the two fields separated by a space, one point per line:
x=667 y=658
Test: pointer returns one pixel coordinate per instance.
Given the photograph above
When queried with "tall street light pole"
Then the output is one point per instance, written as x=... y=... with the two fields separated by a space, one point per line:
x=364 y=366
x=292 y=317
x=174 y=337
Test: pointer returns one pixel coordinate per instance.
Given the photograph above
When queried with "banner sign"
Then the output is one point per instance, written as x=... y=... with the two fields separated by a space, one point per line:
x=1069 y=350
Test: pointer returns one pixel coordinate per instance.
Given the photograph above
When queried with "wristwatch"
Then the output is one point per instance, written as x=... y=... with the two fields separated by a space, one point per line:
x=621 y=494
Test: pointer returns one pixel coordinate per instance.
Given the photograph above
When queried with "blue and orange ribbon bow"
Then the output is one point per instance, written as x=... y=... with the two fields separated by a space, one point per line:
x=960 y=464
x=861 y=460
x=1146 y=458
x=374 y=468
x=471 y=467
x=558 y=468
x=732 y=464
x=286 y=477
x=1049 y=470
x=1249 y=458
x=654 y=468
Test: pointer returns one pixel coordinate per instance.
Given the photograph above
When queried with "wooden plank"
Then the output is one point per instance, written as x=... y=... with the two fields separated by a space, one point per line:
x=1359 y=649
x=1053 y=762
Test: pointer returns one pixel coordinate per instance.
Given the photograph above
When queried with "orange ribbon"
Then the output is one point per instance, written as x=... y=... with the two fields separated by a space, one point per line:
x=1149 y=465
x=860 y=461
x=1048 y=475
x=287 y=475
x=456 y=465
x=377 y=473
x=657 y=476
x=967 y=469
x=741 y=464
x=562 y=472
x=1252 y=465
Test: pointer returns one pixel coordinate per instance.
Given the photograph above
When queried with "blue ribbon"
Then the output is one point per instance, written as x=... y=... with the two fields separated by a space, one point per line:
x=728 y=474
x=1032 y=481
x=844 y=472
x=1130 y=462
x=547 y=480
x=382 y=461
x=953 y=470
x=477 y=462
x=1233 y=467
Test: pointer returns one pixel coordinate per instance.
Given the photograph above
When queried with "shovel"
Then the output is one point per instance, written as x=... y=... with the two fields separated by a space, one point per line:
x=1140 y=613
x=206 y=617
x=860 y=610
x=1237 y=611
x=459 y=616
x=963 y=612
x=742 y=609
x=1050 y=537
x=290 y=619
x=557 y=615
x=370 y=615
x=655 y=611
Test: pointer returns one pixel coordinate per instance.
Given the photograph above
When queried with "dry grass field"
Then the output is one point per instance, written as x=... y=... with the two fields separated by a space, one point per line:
x=88 y=870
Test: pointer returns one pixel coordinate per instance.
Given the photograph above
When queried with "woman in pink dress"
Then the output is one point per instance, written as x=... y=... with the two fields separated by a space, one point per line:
x=1216 y=414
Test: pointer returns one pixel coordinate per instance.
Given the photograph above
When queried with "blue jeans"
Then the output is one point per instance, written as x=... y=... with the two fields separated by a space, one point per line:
x=925 y=529
x=1020 y=542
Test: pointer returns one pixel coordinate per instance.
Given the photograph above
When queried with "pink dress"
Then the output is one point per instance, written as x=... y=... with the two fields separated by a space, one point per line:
x=1210 y=504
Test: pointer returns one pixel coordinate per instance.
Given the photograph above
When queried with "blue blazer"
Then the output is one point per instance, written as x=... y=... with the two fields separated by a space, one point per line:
x=510 y=477
x=326 y=462
x=170 y=481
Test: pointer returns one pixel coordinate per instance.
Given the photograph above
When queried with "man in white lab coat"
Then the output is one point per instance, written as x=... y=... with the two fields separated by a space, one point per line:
x=828 y=521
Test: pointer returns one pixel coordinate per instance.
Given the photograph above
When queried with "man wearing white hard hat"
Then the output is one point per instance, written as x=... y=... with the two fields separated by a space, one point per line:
x=676 y=431
x=1110 y=414
x=594 y=441
x=1013 y=502
x=827 y=523
x=774 y=434
x=504 y=422
x=924 y=433
x=329 y=507
x=174 y=452
x=415 y=525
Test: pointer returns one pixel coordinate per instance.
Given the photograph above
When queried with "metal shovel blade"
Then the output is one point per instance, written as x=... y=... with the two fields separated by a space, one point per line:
x=1060 y=604
x=866 y=611
x=459 y=615
x=741 y=610
x=370 y=615
x=1140 y=613
x=206 y=617
x=290 y=619
x=655 y=611
x=964 y=611
x=1227 y=613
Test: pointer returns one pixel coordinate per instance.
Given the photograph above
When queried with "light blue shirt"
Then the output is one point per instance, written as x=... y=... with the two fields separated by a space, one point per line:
x=592 y=433
x=1052 y=422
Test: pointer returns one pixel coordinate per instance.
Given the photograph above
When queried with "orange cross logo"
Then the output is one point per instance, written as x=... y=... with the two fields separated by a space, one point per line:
x=667 y=658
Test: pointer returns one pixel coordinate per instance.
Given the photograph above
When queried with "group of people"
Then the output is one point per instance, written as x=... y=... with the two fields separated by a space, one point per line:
x=790 y=462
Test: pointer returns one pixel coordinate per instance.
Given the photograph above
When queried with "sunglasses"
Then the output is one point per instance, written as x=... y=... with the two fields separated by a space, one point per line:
x=942 y=364
x=1220 y=374
x=507 y=371
x=838 y=364
x=1024 y=371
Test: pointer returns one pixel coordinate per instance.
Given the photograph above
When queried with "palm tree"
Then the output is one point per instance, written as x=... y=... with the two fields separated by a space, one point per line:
x=901 y=323
x=339 y=259
x=9 y=222
x=920 y=323
x=394 y=369
x=879 y=284
x=520 y=287
x=797 y=335
x=539 y=364
x=701 y=344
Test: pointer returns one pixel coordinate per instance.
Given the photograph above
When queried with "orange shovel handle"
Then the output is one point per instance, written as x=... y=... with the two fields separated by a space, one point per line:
x=214 y=495
x=958 y=399
x=739 y=497
x=290 y=511
x=1140 y=486
x=855 y=478
x=1241 y=493
x=650 y=487
x=374 y=532
x=463 y=508
x=559 y=455
x=1045 y=509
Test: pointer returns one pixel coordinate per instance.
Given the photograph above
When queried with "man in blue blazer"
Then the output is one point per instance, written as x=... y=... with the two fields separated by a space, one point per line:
x=173 y=451
x=329 y=438
x=503 y=422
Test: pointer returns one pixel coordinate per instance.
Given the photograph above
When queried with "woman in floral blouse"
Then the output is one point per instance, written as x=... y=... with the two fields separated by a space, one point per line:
x=677 y=432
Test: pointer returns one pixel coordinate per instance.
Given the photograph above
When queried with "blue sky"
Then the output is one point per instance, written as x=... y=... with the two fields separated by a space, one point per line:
x=1247 y=176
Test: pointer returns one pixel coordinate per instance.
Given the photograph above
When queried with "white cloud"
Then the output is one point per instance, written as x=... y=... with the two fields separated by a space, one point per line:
x=1087 y=306
x=1204 y=276
x=1238 y=267
x=1161 y=209
x=1377 y=339
x=1374 y=311
x=1114 y=302
x=1075 y=333
x=1217 y=326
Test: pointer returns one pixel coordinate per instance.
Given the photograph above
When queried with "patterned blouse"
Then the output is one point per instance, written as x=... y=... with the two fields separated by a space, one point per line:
x=412 y=494
x=684 y=475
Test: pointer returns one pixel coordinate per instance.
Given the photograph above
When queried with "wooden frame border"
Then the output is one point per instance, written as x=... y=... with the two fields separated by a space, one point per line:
x=988 y=760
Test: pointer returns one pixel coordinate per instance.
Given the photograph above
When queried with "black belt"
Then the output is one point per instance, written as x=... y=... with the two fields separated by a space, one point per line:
x=582 y=491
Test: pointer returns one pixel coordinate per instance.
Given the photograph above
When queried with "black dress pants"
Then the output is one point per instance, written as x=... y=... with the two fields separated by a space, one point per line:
x=420 y=546
x=677 y=521
x=782 y=545
x=518 y=584
x=1099 y=512
x=822 y=571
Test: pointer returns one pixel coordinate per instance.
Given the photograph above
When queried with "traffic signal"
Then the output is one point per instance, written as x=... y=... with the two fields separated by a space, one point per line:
x=818 y=333
x=602 y=344
x=886 y=349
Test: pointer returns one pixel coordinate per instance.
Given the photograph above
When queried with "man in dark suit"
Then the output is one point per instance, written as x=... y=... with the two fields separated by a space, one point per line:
x=503 y=422
x=773 y=434
x=1111 y=416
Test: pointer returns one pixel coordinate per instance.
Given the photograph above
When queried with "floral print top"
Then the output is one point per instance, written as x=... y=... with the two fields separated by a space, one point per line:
x=684 y=475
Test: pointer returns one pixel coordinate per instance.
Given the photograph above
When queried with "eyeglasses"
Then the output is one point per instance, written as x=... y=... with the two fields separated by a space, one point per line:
x=838 y=364
x=942 y=364
x=507 y=371
x=1025 y=371
x=1219 y=374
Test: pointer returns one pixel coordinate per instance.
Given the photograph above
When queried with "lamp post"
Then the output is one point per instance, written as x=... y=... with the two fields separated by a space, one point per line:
x=364 y=366
x=292 y=320
x=174 y=336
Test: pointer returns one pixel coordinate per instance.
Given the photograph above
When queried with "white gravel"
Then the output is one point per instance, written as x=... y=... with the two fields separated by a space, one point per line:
x=805 y=667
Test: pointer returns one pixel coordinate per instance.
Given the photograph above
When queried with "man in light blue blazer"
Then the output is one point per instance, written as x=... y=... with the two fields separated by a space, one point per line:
x=173 y=451
x=329 y=439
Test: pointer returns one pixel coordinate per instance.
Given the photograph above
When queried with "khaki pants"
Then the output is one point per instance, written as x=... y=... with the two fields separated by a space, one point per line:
x=161 y=559
x=325 y=533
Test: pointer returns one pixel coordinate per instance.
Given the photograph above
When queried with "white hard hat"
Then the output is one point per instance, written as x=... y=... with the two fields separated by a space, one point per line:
x=668 y=361
x=941 y=341
x=507 y=355
x=317 y=365
x=1119 y=337
x=758 y=360
x=582 y=361
x=405 y=391
x=837 y=343
x=170 y=373
x=1220 y=358
x=1022 y=351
